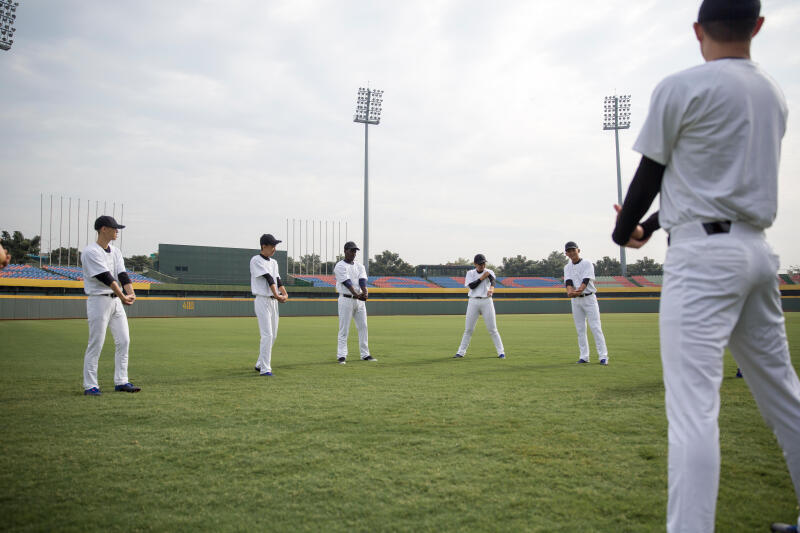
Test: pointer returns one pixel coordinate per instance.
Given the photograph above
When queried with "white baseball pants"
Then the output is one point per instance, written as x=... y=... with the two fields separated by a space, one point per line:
x=475 y=308
x=267 y=315
x=586 y=310
x=352 y=309
x=104 y=312
x=720 y=290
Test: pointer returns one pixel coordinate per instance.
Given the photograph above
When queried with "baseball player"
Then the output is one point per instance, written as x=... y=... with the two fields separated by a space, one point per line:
x=351 y=284
x=711 y=146
x=481 y=283
x=267 y=287
x=108 y=287
x=579 y=281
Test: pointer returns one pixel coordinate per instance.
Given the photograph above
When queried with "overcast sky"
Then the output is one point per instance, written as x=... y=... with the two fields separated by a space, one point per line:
x=214 y=122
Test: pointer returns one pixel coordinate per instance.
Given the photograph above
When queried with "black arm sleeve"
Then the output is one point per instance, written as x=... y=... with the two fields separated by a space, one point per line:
x=585 y=281
x=105 y=277
x=347 y=283
x=362 y=282
x=643 y=190
x=650 y=225
x=475 y=283
x=569 y=283
x=270 y=279
x=491 y=280
x=124 y=279
x=280 y=283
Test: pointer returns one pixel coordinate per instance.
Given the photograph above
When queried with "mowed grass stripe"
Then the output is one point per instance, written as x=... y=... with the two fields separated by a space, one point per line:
x=416 y=442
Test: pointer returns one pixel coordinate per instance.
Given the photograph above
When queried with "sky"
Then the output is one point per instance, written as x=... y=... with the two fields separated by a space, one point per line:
x=214 y=122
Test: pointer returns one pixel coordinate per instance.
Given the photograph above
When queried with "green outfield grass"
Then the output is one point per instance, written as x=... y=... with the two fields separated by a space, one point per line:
x=416 y=442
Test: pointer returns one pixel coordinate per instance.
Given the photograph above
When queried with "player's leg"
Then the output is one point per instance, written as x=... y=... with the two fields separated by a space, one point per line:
x=98 y=315
x=759 y=345
x=579 y=317
x=593 y=318
x=360 y=318
x=490 y=319
x=118 y=324
x=473 y=311
x=700 y=304
x=345 y=316
x=267 y=335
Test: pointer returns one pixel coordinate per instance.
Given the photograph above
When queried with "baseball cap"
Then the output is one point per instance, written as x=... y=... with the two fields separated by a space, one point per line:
x=267 y=238
x=570 y=244
x=711 y=10
x=479 y=259
x=106 y=221
x=350 y=245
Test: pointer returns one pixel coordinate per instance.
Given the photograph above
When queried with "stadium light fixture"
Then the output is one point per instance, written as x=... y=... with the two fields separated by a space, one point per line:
x=8 y=15
x=368 y=111
x=617 y=116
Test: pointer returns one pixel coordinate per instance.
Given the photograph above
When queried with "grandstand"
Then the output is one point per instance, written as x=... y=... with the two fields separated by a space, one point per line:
x=400 y=282
x=522 y=282
x=613 y=281
x=448 y=282
x=648 y=281
x=57 y=273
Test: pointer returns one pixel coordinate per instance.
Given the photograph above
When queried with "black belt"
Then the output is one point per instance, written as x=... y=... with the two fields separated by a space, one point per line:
x=112 y=295
x=346 y=295
x=582 y=295
x=718 y=226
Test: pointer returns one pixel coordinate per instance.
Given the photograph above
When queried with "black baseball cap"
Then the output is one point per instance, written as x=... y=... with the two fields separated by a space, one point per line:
x=711 y=10
x=267 y=238
x=350 y=245
x=479 y=259
x=106 y=221
x=570 y=244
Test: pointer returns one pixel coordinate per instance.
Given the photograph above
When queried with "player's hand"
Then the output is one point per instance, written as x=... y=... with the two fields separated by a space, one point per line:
x=489 y=293
x=128 y=299
x=635 y=240
x=282 y=298
x=363 y=296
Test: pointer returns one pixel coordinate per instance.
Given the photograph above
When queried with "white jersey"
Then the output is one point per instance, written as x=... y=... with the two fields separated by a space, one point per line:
x=259 y=266
x=717 y=128
x=577 y=272
x=96 y=260
x=352 y=271
x=482 y=290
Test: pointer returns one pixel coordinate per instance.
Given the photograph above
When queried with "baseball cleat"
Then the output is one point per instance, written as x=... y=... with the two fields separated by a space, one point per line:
x=604 y=362
x=94 y=391
x=458 y=356
x=739 y=373
x=127 y=387
x=266 y=374
x=258 y=369
x=583 y=362
x=501 y=356
x=783 y=528
x=370 y=359
x=341 y=360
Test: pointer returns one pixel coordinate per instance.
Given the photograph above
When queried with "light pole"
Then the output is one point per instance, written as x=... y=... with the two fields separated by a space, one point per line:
x=368 y=111
x=8 y=15
x=617 y=116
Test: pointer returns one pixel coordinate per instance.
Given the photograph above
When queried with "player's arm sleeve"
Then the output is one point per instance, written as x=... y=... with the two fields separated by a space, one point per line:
x=491 y=279
x=105 y=277
x=124 y=279
x=643 y=190
x=279 y=282
x=585 y=281
x=473 y=284
x=469 y=278
x=347 y=283
x=569 y=283
x=270 y=279
x=362 y=282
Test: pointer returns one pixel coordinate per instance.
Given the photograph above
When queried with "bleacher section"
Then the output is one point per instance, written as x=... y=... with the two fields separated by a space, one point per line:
x=612 y=281
x=319 y=280
x=57 y=273
x=521 y=282
x=400 y=282
x=29 y=272
x=648 y=281
x=448 y=282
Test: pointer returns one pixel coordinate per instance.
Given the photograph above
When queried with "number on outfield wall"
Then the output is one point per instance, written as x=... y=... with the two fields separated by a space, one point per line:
x=189 y=306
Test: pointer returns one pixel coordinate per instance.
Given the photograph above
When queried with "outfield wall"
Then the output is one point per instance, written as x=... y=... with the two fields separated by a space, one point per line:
x=386 y=302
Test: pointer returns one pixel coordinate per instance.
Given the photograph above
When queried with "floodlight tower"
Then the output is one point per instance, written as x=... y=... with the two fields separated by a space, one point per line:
x=617 y=116
x=8 y=15
x=368 y=111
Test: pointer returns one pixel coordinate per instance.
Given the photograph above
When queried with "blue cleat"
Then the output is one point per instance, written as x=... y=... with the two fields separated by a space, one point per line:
x=783 y=528
x=266 y=374
x=739 y=373
x=127 y=387
x=604 y=362
x=583 y=362
x=501 y=356
x=94 y=391
x=458 y=356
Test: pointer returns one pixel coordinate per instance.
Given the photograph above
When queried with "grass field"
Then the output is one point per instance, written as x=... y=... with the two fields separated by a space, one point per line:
x=416 y=442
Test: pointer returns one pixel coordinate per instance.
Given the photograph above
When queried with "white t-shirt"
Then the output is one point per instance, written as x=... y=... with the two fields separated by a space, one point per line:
x=717 y=128
x=259 y=265
x=352 y=271
x=95 y=261
x=482 y=290
x=579 y=271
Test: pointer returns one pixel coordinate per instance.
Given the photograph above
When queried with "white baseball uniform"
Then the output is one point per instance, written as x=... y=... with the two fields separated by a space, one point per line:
x=266 y=307
x=717 y=128
x=104 y=310
x=480 y=303
x=585 y=308
x=351 y=308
